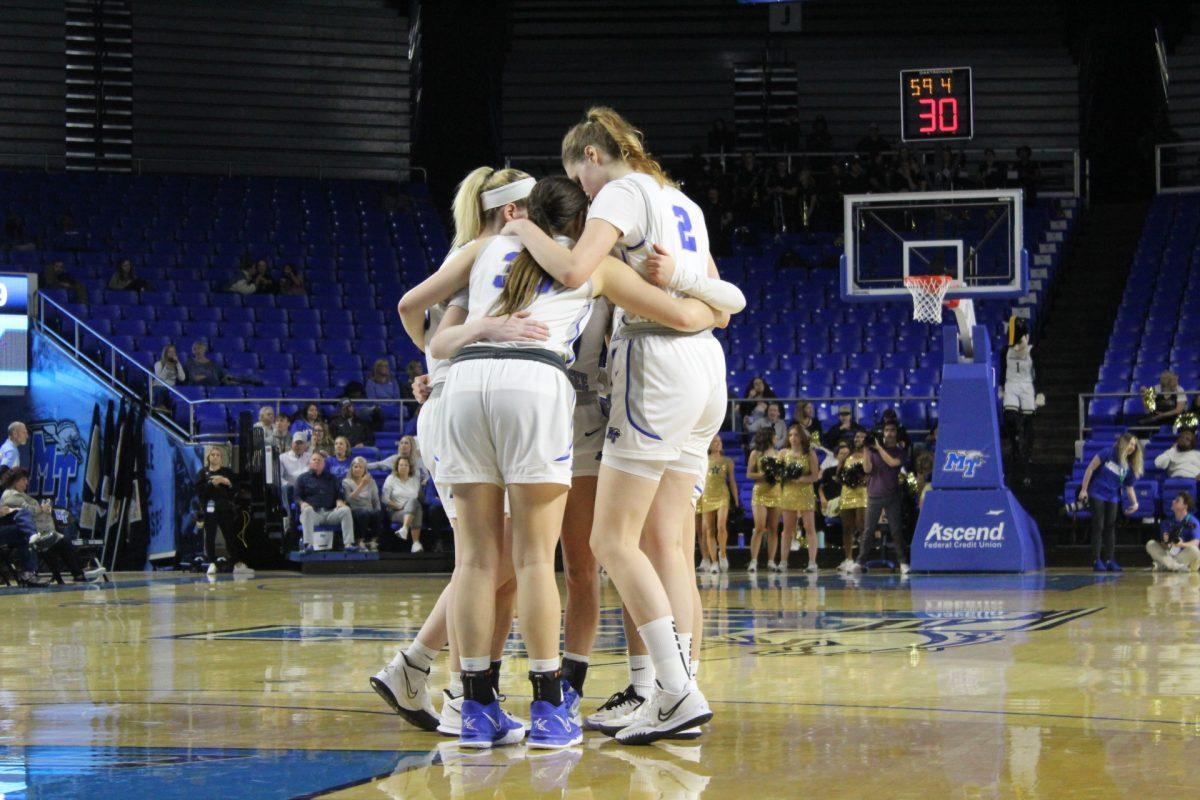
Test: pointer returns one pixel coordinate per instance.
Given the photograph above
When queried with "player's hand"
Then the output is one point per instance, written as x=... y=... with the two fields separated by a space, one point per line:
x=420 y=388
x=513 y=227
x=660 y=266
x=517 y=327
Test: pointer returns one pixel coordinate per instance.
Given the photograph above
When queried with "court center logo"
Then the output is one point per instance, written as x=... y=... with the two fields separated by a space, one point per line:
x=57 y=449
x=964 y=461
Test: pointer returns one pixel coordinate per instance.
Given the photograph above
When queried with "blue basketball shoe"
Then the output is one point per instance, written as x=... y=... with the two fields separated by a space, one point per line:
x=572 y=701
x=485 y=726
x=551 y=727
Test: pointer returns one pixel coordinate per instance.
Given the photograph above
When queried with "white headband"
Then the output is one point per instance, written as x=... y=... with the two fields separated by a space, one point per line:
x=508 y=193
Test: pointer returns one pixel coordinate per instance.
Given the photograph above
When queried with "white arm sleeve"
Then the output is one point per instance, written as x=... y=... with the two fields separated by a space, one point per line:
x=721 y=295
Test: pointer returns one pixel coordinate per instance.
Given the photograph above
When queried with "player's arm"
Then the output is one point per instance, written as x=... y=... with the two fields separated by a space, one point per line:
x=721 y=295
x=618 y=282
x=516 y=327
x=572 y=267
x=452 y=276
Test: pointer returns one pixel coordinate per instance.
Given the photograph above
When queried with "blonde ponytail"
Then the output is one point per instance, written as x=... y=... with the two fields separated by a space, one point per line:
x=607 y=130
x=469 y=217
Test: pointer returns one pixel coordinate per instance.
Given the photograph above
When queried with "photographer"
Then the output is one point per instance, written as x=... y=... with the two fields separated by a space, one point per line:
x=1178 y=547
x=216 y=486
x=47 y=539
x=883 y=463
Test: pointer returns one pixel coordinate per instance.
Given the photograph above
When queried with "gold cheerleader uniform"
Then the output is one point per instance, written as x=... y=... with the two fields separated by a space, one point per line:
x=854 y=497
x=765 y=494
x=796 y=496
x=716 y=488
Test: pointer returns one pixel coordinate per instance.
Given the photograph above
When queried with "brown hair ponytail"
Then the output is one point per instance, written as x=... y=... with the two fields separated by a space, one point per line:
x=554 y=204
x=609 y=131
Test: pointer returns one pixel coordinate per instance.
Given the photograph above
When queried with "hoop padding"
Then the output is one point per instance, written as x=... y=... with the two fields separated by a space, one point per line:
x=928 y=294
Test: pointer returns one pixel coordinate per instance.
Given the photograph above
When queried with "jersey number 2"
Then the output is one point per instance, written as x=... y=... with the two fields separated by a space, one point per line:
x=685 y=226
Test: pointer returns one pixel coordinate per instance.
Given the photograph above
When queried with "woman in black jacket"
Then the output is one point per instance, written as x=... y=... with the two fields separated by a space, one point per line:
x=216 y=486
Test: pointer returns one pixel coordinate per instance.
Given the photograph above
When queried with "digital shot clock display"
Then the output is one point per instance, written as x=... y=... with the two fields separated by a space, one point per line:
x=936 y=104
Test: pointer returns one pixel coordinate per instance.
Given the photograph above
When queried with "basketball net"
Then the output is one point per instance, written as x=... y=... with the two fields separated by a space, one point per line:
x=929 y=295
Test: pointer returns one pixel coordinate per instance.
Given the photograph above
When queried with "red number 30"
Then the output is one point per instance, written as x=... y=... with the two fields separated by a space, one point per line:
x=941 y=116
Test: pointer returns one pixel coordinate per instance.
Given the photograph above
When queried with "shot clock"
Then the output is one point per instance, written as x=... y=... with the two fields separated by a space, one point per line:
x=936 y=104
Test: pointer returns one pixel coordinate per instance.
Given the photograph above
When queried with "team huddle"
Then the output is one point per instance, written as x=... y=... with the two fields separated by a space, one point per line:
x=574 y=386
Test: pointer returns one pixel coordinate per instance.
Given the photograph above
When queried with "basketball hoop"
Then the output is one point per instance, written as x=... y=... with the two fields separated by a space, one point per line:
x=928 y=294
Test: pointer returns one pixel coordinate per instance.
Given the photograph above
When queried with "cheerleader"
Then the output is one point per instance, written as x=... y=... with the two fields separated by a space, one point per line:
x=485 y=200
x=796 y=497
x=508 y=413
x=668 y=398
x=712 y=511
x=761 y=467
x=852 y=476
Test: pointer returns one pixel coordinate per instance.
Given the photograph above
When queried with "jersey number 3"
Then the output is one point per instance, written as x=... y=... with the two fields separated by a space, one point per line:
x=685 y=226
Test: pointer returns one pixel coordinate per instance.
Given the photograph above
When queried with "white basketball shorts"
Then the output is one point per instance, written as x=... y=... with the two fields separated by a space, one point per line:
x=506 y=421
x=429 y=426
x=1019 y=396
x=590 y=425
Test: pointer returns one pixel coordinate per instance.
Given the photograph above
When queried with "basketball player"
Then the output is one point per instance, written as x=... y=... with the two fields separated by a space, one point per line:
x=668 y=401
x=508 y=413
x=485 y=200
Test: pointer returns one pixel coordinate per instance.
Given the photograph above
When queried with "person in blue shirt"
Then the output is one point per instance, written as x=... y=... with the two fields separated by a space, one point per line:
x=1178 y=547
x=1106 y=477
x=10 y=455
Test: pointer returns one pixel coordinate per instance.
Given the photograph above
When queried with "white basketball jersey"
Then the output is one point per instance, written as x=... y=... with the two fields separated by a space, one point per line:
x=437 y=368
x=564 y=311
x=648 y=213
x=589 y=373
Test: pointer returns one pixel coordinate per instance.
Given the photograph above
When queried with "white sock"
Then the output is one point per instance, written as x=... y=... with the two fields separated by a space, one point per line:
x=685 y=645
x=479 y=664
x=419 y=655
x=695 y=670
x=577 y=658
x=641 y=674
x=663 y=644
x=455 y=686
x=544 y=664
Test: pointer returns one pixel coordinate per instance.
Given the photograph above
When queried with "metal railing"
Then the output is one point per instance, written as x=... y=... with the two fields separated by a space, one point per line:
x=1085 y=399
x=123 y=372
x=229 y=168
x=1177 y=167
x=740 y=406
x=1063 y=170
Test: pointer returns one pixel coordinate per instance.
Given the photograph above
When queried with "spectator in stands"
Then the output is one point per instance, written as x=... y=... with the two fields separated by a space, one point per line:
x=17 y=529
x=852 y=478
x=381 y=384
x=1178 y=547
x=855 y=179
x=412 y=370
x=216 y=488
x=291 y=282
x=246 y=282
x=873 y=144
x=754 y=405
x=321 y=503
x=991 y=173
x=338 y=463
x=772 y=422
x=949 y=173
x=362 y=496
x=806 y=418
x=15 y=236
x=819 y=139
x=1182 y=460
x=402 y=497
x=721 y=137
x=321 y=441
x=168 y=369
x=1027 y=174
x=1170 y=400
x=204 y=371
x=282 y=438
x=10 y=453
x=15 y=485
x=748 y=190
x=1103 y=482
x=266 y=424
x=262 y=278
x=718 y=219
x=294 y=462
x=890 y=417
x=808 y=193
x=57 y=277
x=347 y=425
x=306 y=419
x=123 y=279
x=781 y=194
x=884 y=459
x=907 y=176
x=845 y=430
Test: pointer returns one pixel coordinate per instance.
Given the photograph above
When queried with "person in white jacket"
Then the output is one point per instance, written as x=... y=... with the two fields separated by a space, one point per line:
x=1182 y=460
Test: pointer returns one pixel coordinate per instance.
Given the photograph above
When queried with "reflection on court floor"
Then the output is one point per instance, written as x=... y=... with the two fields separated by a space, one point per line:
x=1058 y=685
